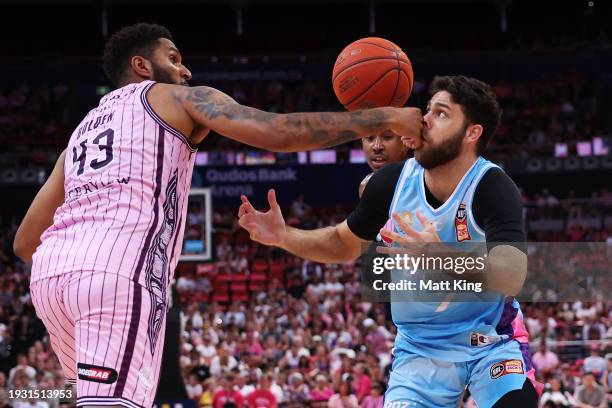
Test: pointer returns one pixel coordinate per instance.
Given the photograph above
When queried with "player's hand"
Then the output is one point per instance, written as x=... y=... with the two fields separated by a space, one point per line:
x=267 y=227
x=412 y=238
x=408 y=122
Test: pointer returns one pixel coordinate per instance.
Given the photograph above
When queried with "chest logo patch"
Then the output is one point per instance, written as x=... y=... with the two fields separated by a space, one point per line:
x=461 y=225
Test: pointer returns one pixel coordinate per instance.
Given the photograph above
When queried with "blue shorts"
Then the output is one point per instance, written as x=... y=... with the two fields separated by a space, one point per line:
x=417 y=381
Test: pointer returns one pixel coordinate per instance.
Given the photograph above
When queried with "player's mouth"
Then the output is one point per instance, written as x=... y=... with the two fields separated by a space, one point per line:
x=378 y=161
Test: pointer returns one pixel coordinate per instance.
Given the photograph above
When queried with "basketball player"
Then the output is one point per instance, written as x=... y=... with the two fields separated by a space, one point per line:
x=380 y=149
x=456 y=196
x=112 y=212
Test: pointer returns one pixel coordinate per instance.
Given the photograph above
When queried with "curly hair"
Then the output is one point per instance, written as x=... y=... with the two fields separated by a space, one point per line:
x=478 y=103
x=138 y=39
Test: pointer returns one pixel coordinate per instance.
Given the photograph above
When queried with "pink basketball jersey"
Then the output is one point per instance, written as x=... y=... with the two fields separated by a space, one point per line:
x=127 y=180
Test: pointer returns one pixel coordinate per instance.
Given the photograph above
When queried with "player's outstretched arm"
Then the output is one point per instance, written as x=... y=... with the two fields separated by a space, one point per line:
x=291 y=132
x=326 y=245
x=40 y=214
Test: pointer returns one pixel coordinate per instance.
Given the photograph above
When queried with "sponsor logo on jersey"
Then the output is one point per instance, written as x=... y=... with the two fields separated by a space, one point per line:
x=461 y=225
x=478 y=340
x=506 y=367
x=94 y=373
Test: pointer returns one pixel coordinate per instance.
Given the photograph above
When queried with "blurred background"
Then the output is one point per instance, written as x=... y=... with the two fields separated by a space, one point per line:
x=250 y=317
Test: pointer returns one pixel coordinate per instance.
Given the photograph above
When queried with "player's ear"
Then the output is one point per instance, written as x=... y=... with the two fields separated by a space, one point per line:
x=473 y=133
x=142 y=67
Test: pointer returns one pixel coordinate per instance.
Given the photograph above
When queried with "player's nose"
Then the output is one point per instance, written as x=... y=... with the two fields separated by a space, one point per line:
x=185 y=73
x=377 y=145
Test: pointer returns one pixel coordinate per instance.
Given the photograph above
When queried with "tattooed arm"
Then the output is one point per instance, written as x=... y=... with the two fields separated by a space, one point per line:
x=214 y=110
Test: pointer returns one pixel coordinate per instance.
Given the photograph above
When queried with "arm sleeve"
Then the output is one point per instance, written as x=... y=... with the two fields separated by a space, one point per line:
x=372 y=212
x=498 y=210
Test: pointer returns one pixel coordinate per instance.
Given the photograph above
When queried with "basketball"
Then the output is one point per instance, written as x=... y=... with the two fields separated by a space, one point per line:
x=372 y=72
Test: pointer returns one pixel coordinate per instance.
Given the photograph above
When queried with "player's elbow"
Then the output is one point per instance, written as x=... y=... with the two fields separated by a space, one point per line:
x=21 y=249
x=516 y=283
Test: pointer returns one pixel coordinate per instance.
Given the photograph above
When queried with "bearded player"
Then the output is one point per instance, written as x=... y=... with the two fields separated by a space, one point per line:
x=455 y=196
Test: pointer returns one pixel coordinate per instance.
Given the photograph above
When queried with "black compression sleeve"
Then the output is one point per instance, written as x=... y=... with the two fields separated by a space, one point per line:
x=372 y=212
x=498 y=209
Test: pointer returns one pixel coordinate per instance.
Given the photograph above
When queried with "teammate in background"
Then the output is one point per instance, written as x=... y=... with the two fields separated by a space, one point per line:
x=381 y=149
x=455 y=196
x=112 y=212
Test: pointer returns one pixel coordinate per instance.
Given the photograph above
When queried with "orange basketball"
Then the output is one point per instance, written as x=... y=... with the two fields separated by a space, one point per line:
x=372 y=72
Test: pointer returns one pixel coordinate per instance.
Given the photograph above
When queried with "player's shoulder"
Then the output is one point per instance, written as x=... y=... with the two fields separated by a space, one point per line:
x=496 y=178
x=496 y=187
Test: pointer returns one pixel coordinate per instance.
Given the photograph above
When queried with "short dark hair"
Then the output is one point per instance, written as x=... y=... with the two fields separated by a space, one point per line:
x=137 y=39
x=478 y=103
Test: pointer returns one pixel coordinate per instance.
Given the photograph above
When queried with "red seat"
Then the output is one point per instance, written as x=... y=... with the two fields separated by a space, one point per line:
x=259 y=267
x=205 y=269
x=224 y=277
x=239 y=277
x=240 y=297
x=277 y=271
x=258 y=277
x=238 y=287
x=220 y=298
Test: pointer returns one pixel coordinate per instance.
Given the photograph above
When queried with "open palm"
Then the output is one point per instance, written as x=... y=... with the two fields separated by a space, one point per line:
x=264 y=227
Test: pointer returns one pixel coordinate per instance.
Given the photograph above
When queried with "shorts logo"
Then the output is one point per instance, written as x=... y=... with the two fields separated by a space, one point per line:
x=146 y=377
x=478 y=340
x=461 y=225
x=94 y=373
x=507 y=367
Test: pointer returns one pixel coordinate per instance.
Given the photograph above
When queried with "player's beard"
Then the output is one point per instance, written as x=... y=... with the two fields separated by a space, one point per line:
x=430 y=157
x=161 y=76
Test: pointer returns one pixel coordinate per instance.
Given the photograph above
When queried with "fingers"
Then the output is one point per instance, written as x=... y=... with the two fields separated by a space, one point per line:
x=424 y=221
x=272 y=199
x=408 y=230
x=394 y=237
x=242 y=210
x=245 y=201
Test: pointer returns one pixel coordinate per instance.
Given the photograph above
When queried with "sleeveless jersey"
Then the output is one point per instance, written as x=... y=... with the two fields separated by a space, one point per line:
x=127 y=180
x=443 y=329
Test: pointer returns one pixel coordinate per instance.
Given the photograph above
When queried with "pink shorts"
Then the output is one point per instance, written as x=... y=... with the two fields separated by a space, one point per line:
x=108 y=333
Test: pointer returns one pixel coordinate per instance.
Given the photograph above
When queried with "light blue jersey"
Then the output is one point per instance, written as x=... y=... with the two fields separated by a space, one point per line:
x=443 y=346
x=444 y=329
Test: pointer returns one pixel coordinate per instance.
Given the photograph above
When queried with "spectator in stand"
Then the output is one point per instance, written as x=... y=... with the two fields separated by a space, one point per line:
x=223 y=362
x=243 y=384
x=345 y=398
x=607 y=377
x=297 y=392
x=194 y=388
x=363 y=382
x=593 y=329
x=292 y=356
x=227 y=395
x=206 y=398
x=262 y=397
x=22 y=365
x=545 y=361
x=568 y=378
x=595 y=363
x=556 y=396
x=590 y=394
x=376 y=397
x=321 y=392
